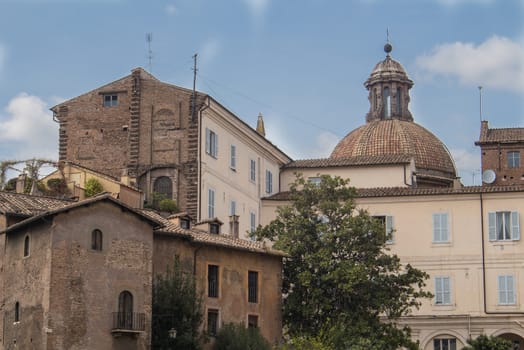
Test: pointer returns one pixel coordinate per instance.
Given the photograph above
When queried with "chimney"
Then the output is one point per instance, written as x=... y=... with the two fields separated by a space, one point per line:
x=20 y=183
x=260 y=125
x=233 y=225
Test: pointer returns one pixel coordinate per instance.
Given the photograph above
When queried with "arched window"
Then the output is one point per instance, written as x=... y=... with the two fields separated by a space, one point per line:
x=399 y=100
x=387 y=103
x=96 y=240
x=164 y=185
x=125 y=310
x=26 y=246
x=17 y=312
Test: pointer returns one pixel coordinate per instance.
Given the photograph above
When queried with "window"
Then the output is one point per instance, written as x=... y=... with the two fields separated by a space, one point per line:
x=252 y=170
x=125 y=310
x=26 y=246
x=252 y=321
x=233 y=157
x=440 y=227
x=269 y=182
x=211 y=143
x=96 y=240
x=211 y=203
x=212 y=322
x=445 y=344
x=214 y=228
x=506 y=290
x=110 y=100
x=252 y=221
x=387 y=221
x=163 y=185
x=513 y=159
x=17 y=312
x=314 y=180
x=387 y=103
x=184 y=223
x=503 y=226
x=212 y=281
x=252 y=286
x=232 y=208
x=399 y=100
x=442 y=291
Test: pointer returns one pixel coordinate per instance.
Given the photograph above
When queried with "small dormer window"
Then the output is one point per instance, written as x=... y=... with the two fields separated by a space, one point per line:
x=214 y=228
x=110 y=100
x=184 y=223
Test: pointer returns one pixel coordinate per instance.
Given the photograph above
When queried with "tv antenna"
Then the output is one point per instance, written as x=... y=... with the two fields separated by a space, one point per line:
x=149 y=39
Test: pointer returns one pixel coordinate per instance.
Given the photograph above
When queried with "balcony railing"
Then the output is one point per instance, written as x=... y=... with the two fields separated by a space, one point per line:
x=129 y=321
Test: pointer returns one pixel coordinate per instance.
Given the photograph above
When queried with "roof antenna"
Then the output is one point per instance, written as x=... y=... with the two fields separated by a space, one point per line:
x=387 y=47
x=480 y=102
x=149 y=39
x=193 y=97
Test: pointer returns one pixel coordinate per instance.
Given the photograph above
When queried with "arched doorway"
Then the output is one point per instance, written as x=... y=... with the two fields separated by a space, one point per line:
x=125 y=310
x=516 y=340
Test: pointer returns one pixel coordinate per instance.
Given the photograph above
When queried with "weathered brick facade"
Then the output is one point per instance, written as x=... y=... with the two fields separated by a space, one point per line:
x=147 y=132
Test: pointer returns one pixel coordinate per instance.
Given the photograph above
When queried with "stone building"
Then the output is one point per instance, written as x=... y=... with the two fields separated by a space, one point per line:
x=79 y=275
x=181 y=143
x=466 y=238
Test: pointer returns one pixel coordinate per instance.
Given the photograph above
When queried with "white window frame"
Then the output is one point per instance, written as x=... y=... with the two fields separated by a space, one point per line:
x=442 y=290
x=252 y=170
x=210 y=203
x=211 y=143
x=389 y=226
x=504 y=226
x=269 y=181
x=233 y=157
x=451 y=343
x=440 y=227
x=506 y=290
x=315 y=180
x=513 y=159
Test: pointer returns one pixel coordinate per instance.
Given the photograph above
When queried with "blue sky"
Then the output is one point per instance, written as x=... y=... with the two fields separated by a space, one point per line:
x=302 y=64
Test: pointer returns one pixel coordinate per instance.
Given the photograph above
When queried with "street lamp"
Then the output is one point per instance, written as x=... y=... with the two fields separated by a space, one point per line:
x=172 y=333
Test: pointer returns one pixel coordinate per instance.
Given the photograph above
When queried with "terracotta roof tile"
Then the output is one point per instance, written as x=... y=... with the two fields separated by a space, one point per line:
x=28 y=205
x=200 y=236
x=503 y=135
x=356 y=160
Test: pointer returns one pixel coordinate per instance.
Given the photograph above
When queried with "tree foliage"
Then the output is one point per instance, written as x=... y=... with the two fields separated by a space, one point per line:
x=340 y=284
x=177 y=305
x=235 y=336
x=483 y=342
x=93 y=187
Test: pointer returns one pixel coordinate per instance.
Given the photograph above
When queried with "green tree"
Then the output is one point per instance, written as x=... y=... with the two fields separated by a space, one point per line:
x=483 y=342
x=93 y=187
x=235 y=336
x=340 y=283
x=177 y=305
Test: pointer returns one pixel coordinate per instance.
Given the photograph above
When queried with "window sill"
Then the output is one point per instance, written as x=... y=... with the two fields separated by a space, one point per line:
x=443 y=307
x=441 y=244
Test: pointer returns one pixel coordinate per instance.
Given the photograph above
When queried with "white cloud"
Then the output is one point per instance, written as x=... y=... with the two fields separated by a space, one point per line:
x=468 y=164
x=28 y=128
x=325 y=142
x=498 y=62
x=462 y=2
x=209 y=51
x=171 y=10
x=257 y=7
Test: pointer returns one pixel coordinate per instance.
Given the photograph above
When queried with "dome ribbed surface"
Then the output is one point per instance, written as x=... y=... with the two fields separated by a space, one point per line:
x=388 y=70
x=398 y=137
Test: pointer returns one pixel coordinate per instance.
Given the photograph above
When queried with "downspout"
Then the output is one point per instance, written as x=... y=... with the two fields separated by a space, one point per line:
x=206 y=106
x=484 y=292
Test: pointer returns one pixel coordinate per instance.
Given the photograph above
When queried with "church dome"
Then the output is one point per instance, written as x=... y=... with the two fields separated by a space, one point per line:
x=394 y=137
x=391 y=131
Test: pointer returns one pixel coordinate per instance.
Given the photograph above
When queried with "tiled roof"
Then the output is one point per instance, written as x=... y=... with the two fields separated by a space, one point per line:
x=72 y=205
x=28 y=205
x=397 y=137
x=356 y=160
x=203 y=237
x=509 y=135
x=408 y=191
